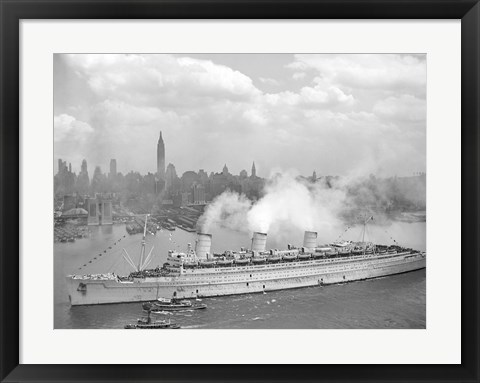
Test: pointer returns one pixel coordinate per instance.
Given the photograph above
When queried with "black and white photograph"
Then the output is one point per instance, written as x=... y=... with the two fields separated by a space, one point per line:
x=239 y=191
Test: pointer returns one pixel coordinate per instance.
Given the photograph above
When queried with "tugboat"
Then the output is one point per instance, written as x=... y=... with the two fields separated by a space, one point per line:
x=147 y=324
x=165 y=304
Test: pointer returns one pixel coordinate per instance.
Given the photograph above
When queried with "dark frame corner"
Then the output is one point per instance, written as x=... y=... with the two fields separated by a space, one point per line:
x=12 y=11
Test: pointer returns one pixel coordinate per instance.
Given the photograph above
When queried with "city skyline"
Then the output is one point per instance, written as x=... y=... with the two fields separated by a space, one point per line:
x=85 y=165
x=336 y=114
x=162 y=169
x=160 y=161
x=164 y=186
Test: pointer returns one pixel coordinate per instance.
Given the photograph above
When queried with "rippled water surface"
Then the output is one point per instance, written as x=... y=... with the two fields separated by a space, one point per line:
x=390 y=302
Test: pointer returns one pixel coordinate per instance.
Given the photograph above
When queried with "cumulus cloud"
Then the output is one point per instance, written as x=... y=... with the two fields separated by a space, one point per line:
x=372 y=71
x=70 y=134
x=317 y=96
x=160 y=79
x=331 y=96
x=403 y=108
x=255 y=116
x=299 y=75
x=269 y=81
x=347 y=110
x=67 y=128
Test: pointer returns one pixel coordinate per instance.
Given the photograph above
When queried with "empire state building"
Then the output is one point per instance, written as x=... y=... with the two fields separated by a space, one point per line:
x=161 y=158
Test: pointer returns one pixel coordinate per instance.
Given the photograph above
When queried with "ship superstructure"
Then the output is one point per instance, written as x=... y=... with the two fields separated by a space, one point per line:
x=200 y=273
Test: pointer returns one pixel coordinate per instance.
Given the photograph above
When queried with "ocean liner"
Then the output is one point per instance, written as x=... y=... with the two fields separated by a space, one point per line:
x=199 y=273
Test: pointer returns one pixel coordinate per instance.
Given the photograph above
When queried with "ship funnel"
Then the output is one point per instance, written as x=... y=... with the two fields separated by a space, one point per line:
x=310 y=240
x=203 y=245
x=259 y=242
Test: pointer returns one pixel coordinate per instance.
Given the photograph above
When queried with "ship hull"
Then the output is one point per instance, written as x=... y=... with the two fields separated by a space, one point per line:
x=241 y=280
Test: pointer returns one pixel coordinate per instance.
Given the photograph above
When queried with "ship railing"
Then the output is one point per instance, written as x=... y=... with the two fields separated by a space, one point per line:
x=278 y=263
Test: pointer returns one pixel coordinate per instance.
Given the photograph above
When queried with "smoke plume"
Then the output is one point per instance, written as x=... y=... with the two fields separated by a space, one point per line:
x=289 y=204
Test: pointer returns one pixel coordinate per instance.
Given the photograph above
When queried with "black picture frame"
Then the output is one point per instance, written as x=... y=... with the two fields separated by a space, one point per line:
x=12 y=11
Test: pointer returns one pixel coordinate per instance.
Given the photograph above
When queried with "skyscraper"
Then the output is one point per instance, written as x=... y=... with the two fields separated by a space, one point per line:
x=254 y=171
x=83 y=181
x=62 y=165
x=161 y=158
x=84 y=167
x=113 y=167
x=170 y=177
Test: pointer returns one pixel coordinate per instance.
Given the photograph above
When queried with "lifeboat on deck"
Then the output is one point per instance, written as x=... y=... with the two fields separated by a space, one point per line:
x=207 y=263
x=225 y=262
x=258 y=260
x=289 y=257
x=274 y=258
x=190 y=264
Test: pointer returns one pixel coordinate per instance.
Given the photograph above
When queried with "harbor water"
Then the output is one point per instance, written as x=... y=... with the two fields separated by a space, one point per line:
x=390 y=302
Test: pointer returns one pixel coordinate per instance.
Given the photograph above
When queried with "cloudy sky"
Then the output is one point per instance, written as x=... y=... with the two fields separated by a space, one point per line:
x=336 y=114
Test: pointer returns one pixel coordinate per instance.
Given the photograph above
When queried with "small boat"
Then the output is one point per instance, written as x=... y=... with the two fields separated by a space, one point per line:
x=190 y=264
x=242 y=261
x=225 y=262
x=274 y=258
x=259 y=259
x=165 y=304
x=331 y=253
x=289 y=257
x=207 y=263
x=304 y=256
x=148 y=324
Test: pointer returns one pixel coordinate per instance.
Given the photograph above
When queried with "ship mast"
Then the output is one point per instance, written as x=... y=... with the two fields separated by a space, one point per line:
x=365 y=221
x=364 y=228
x=142 y=252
